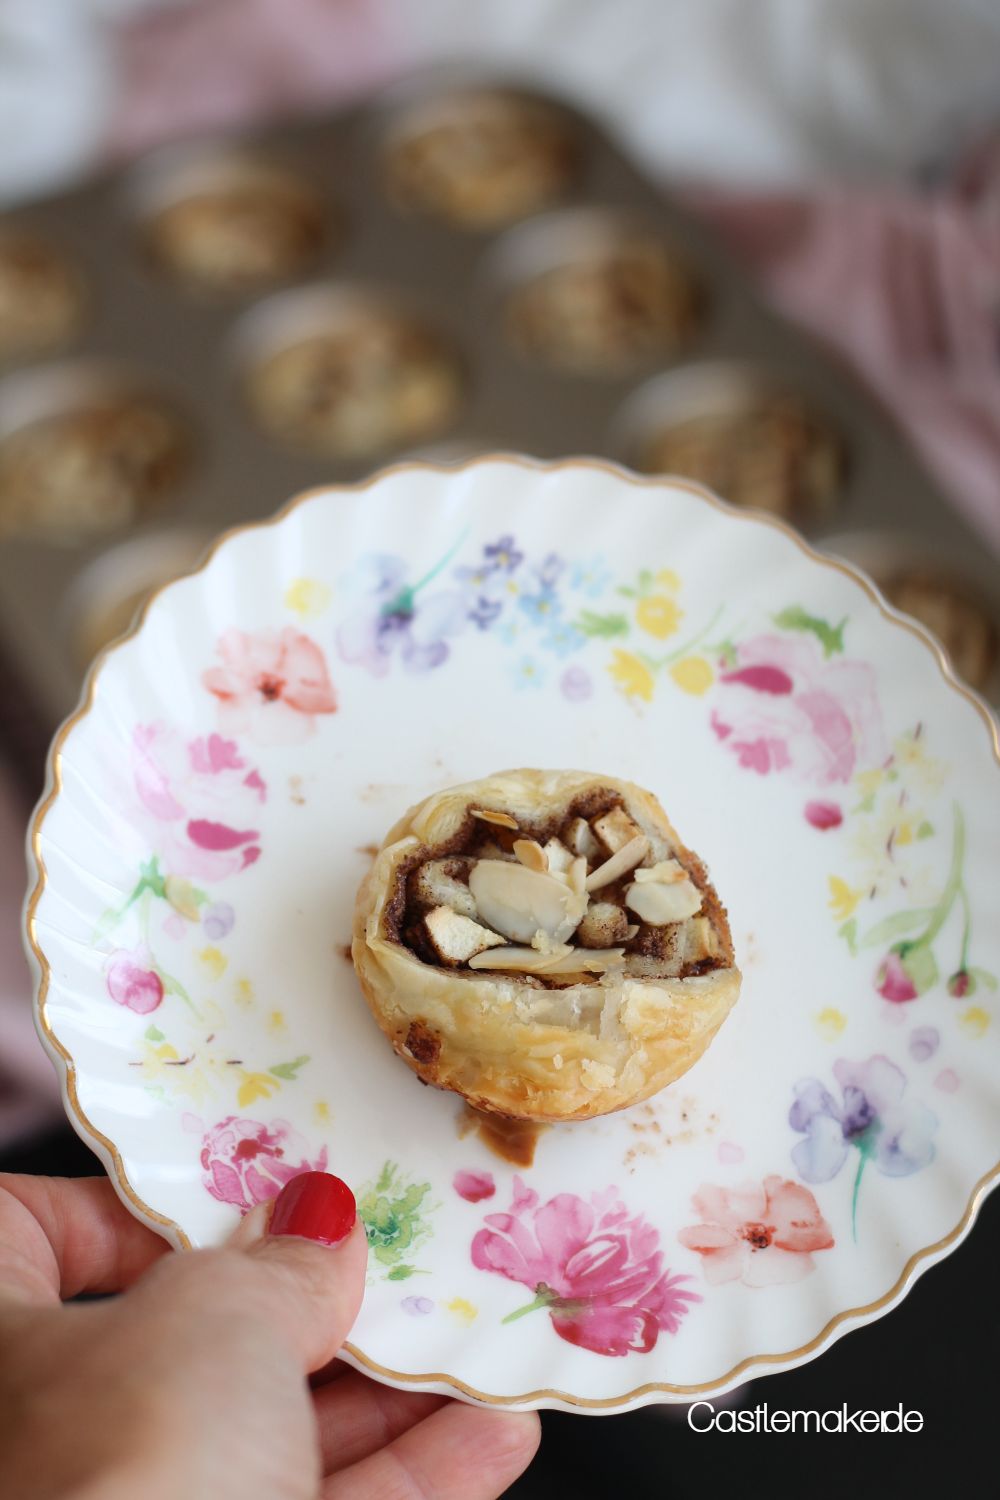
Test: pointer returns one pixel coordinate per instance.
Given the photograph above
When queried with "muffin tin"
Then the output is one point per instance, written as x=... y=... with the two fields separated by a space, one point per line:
x=459 y=265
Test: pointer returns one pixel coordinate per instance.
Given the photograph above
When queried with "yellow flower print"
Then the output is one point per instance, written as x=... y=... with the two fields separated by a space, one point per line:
x=842 y=899
x=658 y=616
x=276 y=1023
x=214 y=962
x=255 y=1086
x=321 y=1112
x=868 y=782
x=465 y=1311
x=692 y=674
x=830 y=1023
x=668 y=579
x=974 y=1021
x=632 y=675
x=243 y=993
x=182 y=897
x=307 y=598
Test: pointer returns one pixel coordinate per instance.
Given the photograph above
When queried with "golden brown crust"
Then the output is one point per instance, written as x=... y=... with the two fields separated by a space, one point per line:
x=511 y=1045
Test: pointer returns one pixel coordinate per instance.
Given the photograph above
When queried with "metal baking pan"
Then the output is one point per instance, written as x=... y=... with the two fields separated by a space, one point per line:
x=600 y=318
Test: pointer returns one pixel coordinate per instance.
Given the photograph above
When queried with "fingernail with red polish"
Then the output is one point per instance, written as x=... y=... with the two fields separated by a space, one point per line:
x=315 y=1206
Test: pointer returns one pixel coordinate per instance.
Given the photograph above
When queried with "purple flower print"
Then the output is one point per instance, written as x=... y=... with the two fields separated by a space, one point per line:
x=576 y=685
x=503 y=554
x=872 y=1118
x=393 y=621
x=485 y=611
x=217 y=921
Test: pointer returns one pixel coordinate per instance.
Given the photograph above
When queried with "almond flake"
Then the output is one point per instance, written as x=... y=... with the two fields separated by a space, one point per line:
x=625 y=859
x=489 y=815
x=517 y=901
x=660 y=905
x=531 y=854
x=566 y=960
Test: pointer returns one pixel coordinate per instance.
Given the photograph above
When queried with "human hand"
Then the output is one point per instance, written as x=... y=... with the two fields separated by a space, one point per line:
x=192 y=1384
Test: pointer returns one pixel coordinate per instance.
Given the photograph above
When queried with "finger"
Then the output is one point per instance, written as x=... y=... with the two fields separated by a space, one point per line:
x=62 y=1236
x=355 y=1417
x=459 y=1453
x=307 y=1293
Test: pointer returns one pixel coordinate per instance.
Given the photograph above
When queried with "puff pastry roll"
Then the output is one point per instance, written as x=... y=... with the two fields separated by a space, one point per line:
x=542 y=943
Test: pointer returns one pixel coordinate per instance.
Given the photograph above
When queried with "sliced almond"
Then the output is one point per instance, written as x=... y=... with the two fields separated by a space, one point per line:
x=580 y=838
x=490 y=815
x=524 y=960
x=615 y=829
x=576 y=875
x=631 y=931
x=454 y=938
x=558 y=856
x=518 y=902
x=603 y=925
x=667 y=872
x=531 y=854
x=566 y=961
x=659 y=905
x=587 y=961
x=626 y=858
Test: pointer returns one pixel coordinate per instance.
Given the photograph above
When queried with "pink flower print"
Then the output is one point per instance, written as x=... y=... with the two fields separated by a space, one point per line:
x=132 y=980
x=271 y=685
x=783 y=705
x=245 y=1162
x=199 y=800
x=893 y=981
x=824 y=815
x=474 y=1186
x=760 y=1234
x=597 y=1271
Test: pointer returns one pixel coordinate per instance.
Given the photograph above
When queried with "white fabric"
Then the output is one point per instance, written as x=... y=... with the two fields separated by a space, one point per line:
x=757 y=92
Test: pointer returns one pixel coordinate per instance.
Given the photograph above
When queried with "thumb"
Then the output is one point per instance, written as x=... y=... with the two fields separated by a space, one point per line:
x=296 y=1265
x=310 y=1247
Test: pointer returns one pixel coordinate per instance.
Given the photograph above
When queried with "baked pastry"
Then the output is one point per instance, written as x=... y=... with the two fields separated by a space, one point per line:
x=373 y=382
x=482 y=158
x=89 y=469
x=238 y=236
x=41 y=300
x=542 y=943
x=771 y=454
x=601 y=313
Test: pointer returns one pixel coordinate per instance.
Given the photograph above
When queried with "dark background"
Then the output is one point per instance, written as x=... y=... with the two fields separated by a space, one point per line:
x=938 y=1354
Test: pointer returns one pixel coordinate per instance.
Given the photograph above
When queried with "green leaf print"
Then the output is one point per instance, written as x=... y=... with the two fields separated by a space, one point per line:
x=605 y=627
x=394 y=1212
x=830 y=637
x=289 y=1070
x=896 y=925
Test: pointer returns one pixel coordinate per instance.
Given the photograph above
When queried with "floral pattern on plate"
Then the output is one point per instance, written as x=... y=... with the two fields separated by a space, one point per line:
x=228 y=789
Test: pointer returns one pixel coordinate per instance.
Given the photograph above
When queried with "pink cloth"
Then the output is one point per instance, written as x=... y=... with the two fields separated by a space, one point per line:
x=907 y=289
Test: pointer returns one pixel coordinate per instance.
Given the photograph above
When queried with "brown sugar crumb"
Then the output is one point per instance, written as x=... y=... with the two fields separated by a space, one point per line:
x=295 y=791
x=344 y=949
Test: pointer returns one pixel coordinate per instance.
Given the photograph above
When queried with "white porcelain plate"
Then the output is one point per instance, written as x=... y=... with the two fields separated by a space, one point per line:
x=210 y=815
